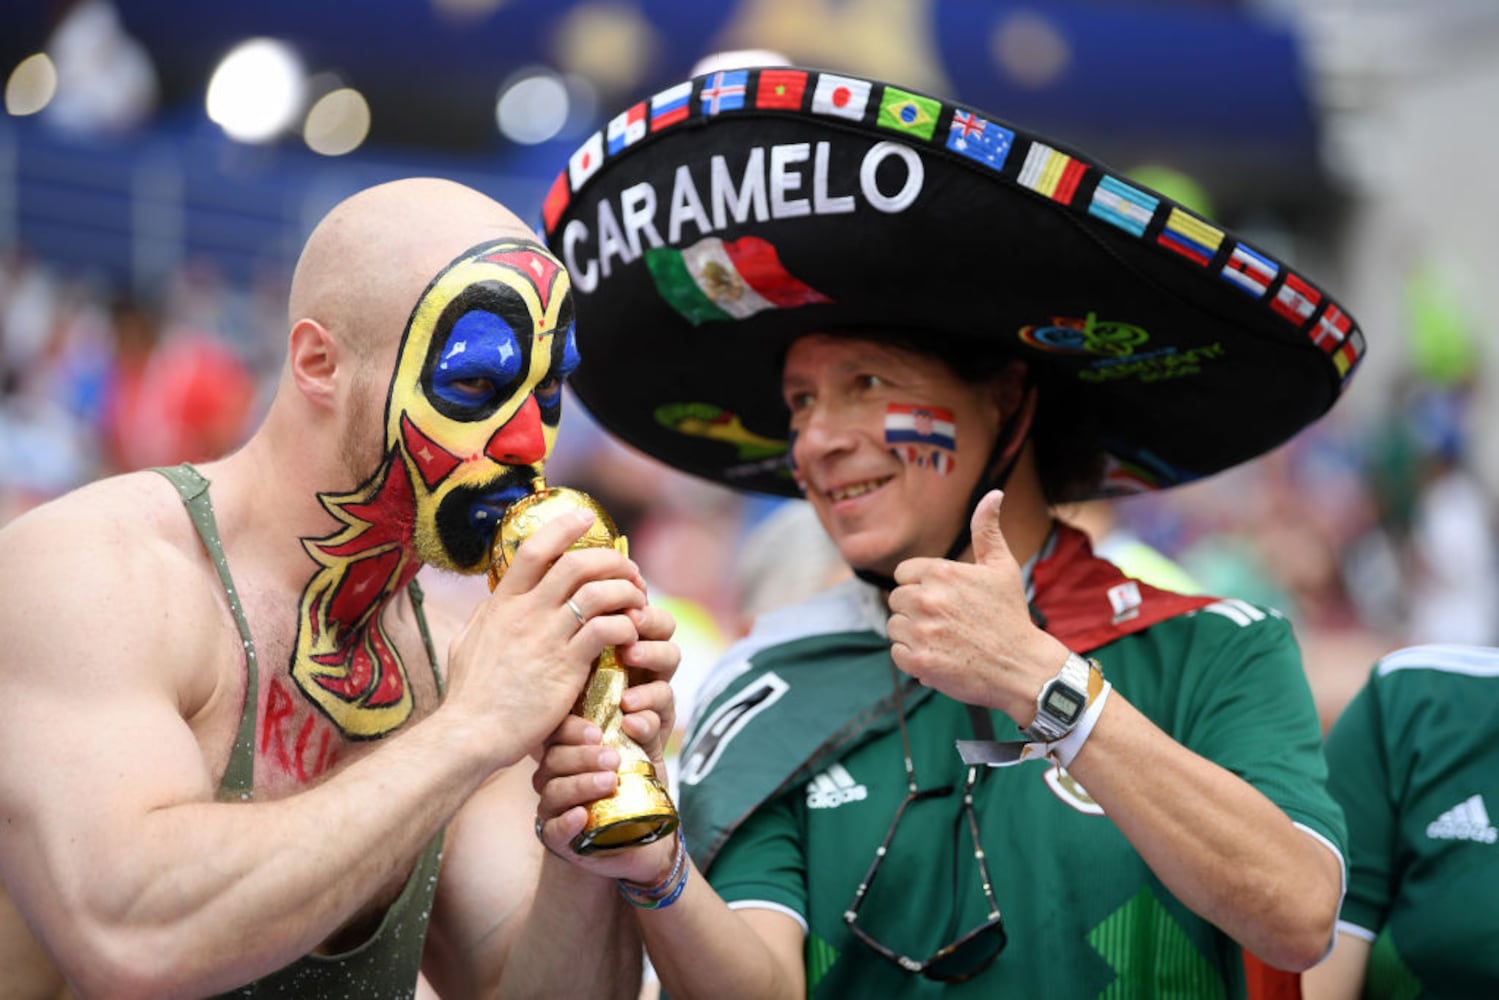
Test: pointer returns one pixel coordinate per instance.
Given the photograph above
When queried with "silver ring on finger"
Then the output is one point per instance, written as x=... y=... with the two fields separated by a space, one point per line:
x=572 y=606
x=539 y=836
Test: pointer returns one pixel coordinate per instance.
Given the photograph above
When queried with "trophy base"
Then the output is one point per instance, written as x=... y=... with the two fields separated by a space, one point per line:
x=639 y=812
x=632 y=832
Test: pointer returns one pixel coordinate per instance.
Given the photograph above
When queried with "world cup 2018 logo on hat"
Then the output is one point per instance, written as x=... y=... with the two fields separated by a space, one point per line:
x=1086 y=335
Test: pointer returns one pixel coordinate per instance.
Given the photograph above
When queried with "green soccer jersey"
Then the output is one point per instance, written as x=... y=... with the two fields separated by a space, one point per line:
x=1083 y=913
x=1414 y=761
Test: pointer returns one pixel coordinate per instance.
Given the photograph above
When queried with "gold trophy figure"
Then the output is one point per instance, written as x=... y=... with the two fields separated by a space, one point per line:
x=640 y=810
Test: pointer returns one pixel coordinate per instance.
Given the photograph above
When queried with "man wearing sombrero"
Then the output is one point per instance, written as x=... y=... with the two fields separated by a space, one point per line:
x=801 y=283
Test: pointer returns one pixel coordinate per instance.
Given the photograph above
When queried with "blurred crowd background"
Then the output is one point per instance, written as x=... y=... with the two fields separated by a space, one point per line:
x=161 y=162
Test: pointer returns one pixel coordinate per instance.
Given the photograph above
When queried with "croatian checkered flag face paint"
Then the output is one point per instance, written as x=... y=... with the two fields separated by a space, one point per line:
x=924 y=436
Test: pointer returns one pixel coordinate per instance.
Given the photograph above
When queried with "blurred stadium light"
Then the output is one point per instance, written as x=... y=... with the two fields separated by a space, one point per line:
x=256 y=91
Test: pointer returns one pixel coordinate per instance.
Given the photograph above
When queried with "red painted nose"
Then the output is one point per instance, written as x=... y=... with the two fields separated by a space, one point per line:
x=520 y=441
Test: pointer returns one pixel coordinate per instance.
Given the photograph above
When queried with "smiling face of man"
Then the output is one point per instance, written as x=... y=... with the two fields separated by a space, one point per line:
x=887 y=444
x=476 y=394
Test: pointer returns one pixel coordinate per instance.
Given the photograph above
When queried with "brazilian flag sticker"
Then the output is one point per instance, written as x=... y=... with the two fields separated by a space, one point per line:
x=908 y=113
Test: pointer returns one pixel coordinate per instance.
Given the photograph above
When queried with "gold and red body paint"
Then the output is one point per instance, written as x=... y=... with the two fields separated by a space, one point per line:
x=471 y=416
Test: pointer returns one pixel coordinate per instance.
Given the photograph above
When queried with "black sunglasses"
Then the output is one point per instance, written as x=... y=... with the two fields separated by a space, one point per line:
x=976 y=950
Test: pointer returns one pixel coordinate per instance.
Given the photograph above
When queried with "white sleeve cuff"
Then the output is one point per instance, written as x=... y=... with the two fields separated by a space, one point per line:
x=1342 y=889
x=765 y=904
x=1354 y=930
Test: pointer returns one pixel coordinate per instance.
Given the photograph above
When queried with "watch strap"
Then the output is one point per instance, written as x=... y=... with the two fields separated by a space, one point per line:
x=1004 y=753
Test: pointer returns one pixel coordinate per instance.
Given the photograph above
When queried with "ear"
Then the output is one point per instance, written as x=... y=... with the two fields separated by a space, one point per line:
x=1009 y=388
x=313 y=357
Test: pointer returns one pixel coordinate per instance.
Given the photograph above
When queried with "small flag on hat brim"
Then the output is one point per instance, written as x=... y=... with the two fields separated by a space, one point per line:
x=1190 y=236
x=1296 y=300
x=555 y=202
x=1119 y=204
x=670 y=106
x=626 y=127
x=724 y=91
x=1251 y=271
x=1330 y=329
x=913 y=114
x=585 y=162
x=979 y=139
x=781 y=88
x=1052 y=173
x=840 y=95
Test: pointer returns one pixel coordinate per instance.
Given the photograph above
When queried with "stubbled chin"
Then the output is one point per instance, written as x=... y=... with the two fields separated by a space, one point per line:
x=431 y=551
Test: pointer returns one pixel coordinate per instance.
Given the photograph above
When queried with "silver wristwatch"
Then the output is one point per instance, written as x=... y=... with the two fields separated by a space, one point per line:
x=1061 y=702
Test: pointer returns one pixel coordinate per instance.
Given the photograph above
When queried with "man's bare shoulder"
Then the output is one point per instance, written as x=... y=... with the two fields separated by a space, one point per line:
x=97 y=530
x=109 y=564
x=137 y=495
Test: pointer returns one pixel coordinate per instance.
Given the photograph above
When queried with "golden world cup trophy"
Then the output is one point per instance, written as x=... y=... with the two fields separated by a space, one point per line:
x=640 y=810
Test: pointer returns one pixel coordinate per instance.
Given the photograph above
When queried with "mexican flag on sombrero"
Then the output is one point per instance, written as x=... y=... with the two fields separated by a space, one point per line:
x=707 y=227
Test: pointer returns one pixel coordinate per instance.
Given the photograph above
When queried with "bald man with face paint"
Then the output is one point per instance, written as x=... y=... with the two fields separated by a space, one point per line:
x=236 y=757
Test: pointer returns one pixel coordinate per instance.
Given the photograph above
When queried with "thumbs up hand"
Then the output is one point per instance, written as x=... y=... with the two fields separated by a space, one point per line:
x=989 y=546
x=966 y=629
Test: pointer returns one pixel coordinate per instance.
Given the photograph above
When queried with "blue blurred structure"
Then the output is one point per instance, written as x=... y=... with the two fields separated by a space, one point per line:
x=1209 y=87
x=131 y=210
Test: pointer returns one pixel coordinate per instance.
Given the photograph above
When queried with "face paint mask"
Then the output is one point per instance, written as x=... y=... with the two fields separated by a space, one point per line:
x=477 y=392
x=470 y=418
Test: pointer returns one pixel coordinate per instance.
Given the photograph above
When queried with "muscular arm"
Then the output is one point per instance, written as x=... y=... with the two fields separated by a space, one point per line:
x=140 y=884
x=111 y=843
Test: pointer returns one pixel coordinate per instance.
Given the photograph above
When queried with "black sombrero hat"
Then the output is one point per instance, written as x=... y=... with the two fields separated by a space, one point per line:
x=707 y=227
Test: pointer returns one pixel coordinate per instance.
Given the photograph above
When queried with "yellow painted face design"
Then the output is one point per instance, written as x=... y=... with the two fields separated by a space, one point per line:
x=476 y=394
x=470 y=418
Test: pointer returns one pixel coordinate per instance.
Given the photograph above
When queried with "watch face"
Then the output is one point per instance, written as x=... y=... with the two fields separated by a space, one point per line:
x=1063 y=704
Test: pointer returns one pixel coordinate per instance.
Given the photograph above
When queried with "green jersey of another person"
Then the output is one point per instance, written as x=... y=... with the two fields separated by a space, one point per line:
x=1414 y=760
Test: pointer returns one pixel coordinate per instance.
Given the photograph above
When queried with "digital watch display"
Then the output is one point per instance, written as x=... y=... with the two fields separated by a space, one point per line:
x=1061 y=702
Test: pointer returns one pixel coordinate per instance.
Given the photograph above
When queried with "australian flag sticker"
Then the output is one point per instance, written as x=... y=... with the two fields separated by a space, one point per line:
x=979 y=139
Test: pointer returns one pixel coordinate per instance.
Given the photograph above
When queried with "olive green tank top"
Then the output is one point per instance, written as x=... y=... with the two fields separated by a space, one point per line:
x=387 y=964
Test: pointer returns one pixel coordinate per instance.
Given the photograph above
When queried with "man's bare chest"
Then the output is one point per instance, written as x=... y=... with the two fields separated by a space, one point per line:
x=294 y=740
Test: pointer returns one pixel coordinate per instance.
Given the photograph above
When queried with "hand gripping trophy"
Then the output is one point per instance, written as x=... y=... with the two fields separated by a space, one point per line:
x=640 y=810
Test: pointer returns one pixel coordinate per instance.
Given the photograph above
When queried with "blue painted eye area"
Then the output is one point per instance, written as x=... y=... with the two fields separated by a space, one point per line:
x=564 y=362
x=478 y=362
x=570 y=355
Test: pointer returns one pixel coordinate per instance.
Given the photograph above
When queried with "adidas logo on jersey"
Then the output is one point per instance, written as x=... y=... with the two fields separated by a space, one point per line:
x=834 y=787
x=1468 y=820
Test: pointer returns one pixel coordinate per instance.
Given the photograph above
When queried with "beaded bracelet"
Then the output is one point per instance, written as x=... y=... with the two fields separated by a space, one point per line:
x=663 y=893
